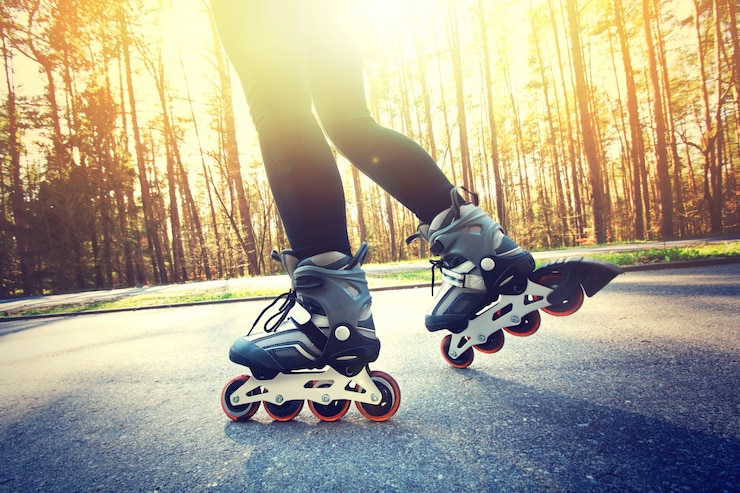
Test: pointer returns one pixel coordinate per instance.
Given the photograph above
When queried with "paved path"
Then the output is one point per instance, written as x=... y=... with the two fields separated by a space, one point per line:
x=635 y=392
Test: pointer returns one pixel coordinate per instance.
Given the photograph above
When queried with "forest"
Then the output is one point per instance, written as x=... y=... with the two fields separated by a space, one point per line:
x=127 y=156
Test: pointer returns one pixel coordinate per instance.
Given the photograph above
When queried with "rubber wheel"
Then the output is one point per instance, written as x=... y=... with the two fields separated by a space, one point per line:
x=570 y=305
x=493 y=344
x=285 y=411
x=333 y=411
x=238 y=412
x=462 y=361
x=389 y=401
x=527 y=326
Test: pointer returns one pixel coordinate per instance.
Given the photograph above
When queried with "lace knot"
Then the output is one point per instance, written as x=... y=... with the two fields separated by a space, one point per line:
x=289 y=300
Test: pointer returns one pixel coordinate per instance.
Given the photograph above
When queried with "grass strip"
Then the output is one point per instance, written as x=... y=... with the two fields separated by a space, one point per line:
x=379 y=279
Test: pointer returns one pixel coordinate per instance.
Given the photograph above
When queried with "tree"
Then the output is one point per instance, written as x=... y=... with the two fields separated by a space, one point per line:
x=587 y=132
x=152 y=226
x=636 y=144
x=236 y=183
x=493 y=132
x=664 y=179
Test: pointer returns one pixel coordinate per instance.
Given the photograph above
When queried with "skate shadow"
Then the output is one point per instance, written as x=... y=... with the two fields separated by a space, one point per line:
x=8 y=327
x=479 y=432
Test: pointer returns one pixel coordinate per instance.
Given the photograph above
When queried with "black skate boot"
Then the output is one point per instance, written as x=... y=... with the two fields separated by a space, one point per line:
x=324 y=323
x=489 y=284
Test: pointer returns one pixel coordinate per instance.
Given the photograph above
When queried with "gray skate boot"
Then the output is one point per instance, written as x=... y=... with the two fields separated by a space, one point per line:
x=479 y=263
x=489 y=284
x=324 y=320
x=316 y=348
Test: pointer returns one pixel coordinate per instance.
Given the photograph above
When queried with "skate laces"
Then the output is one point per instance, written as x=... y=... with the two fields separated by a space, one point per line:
x=436 y=264
x=442 y=264
x=289 y=300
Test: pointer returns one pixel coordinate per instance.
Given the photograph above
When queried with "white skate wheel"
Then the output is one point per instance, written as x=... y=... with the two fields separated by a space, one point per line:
x=487 y=264
x=342 y=333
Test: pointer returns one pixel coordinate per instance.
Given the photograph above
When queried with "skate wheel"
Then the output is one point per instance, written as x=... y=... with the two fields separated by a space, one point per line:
x=570 y=305
x=388 y=401
x=528 y=325
x=285 y=411
x=238 y=412
x=493 y=344
x=333 y=411
x=462 y=360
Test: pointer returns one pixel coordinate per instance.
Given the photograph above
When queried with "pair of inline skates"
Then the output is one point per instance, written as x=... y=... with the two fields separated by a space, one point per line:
x=318 y=345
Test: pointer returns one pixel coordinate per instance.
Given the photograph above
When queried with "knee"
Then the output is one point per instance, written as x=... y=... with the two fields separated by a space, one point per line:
x=345 y=130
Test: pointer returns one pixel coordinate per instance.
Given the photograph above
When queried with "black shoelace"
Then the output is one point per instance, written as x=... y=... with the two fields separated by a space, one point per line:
x=289 y=300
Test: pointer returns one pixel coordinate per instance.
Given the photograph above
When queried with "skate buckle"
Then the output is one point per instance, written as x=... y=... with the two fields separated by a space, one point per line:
x=487 y=264
x=342 y=333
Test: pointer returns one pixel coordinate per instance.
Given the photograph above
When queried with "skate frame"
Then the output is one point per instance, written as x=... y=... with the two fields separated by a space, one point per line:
x=487 y=321
x=320 y=386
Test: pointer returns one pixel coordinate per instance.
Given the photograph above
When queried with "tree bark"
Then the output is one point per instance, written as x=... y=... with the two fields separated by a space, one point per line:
x=595 y=179
x=661 y=151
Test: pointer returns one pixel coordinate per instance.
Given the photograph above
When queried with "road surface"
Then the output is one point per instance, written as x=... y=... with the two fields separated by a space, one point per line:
x=637 y=391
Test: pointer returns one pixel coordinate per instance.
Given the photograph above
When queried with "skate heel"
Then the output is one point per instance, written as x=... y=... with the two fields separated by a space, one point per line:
x=558 y=288
x=570 y=278
x=348 y=351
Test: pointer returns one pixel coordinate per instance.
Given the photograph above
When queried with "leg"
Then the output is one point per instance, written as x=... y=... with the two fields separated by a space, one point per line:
x=265 y=43
x=396 y=163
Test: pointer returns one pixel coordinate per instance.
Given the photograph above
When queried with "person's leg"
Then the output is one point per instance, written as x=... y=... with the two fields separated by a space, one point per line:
x=393 y=161
x=332 y=322
x=265 y=43
x=478 y=259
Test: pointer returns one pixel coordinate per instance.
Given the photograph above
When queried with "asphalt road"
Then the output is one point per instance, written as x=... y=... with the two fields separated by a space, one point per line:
x=637 y=391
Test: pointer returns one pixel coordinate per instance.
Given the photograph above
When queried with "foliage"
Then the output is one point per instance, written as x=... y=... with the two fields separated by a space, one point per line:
x=125 y=160
x=377 y=279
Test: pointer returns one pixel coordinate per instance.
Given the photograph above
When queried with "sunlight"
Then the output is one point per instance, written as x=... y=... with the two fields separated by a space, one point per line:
x=378 y=21
x=185 y=24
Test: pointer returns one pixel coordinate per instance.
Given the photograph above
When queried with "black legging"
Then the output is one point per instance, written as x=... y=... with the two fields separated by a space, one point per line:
x=290 y=54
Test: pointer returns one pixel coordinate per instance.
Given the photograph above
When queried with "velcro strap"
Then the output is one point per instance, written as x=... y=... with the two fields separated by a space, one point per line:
x=453 y=278
x=314 y=334
x=463 y=280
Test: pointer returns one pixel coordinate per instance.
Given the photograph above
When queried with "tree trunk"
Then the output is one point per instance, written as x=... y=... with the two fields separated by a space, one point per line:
x=661 y=151
x=595 y=179
x=551 y=140
x=17 y=202
x=152 y=229
x=454 y=41
x=493 y=132
x=232 y=158
x=189 y=195
x=575 y=206
x=636 y=144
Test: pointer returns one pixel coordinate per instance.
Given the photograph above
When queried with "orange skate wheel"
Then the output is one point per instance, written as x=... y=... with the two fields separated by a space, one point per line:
x=388 y=401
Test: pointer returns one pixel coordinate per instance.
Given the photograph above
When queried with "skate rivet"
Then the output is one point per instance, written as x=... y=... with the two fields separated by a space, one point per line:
x=325 y=398
x=515 y=319
x=374 y=397
x=278 y=399
x=487 y=264
x=481 y=338
x=453 y=354
x=342 y=333
x=234 y=399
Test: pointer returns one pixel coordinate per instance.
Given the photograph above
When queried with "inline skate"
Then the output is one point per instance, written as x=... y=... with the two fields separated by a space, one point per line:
x=490 y=285
x=316 y=347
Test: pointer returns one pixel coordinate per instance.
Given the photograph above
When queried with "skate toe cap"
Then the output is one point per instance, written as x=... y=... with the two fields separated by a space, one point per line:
x=246 y=353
